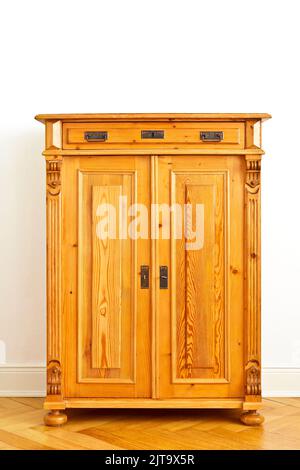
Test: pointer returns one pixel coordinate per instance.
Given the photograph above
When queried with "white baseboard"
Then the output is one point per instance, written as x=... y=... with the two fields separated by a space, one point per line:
x=22 y=380
x=29 y=380
x=280 y=382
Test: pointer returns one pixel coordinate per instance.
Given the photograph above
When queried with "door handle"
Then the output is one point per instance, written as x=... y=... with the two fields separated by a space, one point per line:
x=144 y=277
x=163 y=277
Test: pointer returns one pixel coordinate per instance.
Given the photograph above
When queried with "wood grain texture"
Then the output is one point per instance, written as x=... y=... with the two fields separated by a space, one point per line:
x=175 y=150
x=132 y=378
x=91 y=294
x=106 y=281
x=128 y=135
x=201 y=288
x=21 y=427
x=197 y=342
x=159 y=403
x=164 y=117
x=154 y=277
x=206 y=287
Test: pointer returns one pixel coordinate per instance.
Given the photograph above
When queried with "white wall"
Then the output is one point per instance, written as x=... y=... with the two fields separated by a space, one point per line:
x=146 y=56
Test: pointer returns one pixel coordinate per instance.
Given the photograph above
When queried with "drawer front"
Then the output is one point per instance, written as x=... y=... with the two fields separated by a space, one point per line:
x=152 y=134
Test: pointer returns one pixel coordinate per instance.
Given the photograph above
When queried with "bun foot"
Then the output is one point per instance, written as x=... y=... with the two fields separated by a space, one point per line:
x=252 y=418
x=55 y=418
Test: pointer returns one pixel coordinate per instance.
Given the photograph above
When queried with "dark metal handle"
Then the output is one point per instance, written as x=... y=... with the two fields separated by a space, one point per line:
x=163 y=277
x=96 y=136
x=145 y=277
x=212 y=136
x=153 y=134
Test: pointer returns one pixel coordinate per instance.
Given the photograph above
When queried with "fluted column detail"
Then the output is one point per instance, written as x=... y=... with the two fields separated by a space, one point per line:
x=53 y=227
x=252 y=276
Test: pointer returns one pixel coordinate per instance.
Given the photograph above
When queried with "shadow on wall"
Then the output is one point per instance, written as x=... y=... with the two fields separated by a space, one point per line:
x=22 y=245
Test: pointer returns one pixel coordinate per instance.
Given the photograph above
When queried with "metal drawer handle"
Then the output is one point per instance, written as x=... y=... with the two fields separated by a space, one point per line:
x=212 y=136
x=155 y=134
x=96 y=136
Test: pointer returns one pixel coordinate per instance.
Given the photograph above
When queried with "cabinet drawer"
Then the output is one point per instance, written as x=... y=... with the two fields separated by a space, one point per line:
x=100 y=135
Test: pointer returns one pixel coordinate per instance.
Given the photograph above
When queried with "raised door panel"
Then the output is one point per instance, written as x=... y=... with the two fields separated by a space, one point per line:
x=107 y=287
x=108 y=276
x=106 y=311
x=203 y=307
x=199 y=307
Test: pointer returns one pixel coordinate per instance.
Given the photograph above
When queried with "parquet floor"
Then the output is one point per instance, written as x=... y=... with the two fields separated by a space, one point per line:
x=21 y=427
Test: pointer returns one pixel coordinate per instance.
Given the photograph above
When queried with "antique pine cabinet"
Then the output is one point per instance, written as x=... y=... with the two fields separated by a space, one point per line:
x=153 y=262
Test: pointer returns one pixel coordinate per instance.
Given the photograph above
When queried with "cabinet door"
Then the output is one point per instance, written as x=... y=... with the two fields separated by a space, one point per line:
x=200 y=314
x=106 y=331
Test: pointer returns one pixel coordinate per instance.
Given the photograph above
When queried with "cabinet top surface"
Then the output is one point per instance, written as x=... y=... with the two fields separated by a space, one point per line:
x=154 y=117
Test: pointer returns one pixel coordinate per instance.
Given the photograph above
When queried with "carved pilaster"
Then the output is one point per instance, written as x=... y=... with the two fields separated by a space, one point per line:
x=53 y=168
x=252 y=277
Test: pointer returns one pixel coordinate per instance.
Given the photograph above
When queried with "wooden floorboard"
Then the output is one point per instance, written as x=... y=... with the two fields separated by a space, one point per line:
x=21 y=427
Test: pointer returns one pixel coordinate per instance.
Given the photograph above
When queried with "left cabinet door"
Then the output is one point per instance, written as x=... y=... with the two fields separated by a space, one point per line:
x=106 y=313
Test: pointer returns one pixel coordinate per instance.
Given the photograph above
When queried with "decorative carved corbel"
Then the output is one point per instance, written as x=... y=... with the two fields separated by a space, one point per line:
x=253 y=175
x=53 y=168
x=54 y=378
x=253 y=385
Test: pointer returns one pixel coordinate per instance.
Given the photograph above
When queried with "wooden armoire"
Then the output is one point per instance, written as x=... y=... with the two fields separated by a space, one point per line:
x=163 y=310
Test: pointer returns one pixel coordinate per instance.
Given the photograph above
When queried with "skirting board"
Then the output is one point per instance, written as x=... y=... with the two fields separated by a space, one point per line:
x=28 y=380
x=281 y=382
x=22 y=380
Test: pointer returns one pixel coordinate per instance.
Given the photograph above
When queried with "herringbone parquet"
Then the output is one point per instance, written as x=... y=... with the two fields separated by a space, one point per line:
x=21 y=427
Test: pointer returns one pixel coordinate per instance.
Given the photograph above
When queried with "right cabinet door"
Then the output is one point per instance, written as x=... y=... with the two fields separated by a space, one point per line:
x=200 y=313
